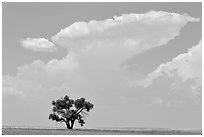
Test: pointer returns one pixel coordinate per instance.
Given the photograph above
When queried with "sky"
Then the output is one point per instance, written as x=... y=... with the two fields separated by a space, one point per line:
x=138 y=63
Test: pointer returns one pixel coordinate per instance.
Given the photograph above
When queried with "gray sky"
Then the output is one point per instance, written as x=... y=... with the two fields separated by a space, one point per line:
x=139 y=70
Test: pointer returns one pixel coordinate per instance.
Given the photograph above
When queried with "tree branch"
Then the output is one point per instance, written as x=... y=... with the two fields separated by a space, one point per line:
x=79 y=111
x=63 y=119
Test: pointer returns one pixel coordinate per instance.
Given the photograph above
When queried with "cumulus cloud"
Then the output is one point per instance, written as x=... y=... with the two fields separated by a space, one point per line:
x=96 y=52
x=39 y=44
x=8 y=87
x=39 y=77
x=187 y=66
x=118 y=39
x=128 y=25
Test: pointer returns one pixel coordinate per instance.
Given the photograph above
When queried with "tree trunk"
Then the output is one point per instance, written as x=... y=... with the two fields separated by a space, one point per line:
x=68 y=125
x=72 y=124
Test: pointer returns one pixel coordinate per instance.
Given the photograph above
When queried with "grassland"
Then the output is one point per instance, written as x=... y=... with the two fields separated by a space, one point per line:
x=36 y=131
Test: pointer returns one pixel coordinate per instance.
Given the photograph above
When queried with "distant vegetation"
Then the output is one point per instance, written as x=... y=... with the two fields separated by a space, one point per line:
x=68 y=111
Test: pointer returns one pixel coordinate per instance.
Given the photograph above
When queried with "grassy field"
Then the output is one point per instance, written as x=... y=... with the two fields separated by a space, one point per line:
x=35 y=131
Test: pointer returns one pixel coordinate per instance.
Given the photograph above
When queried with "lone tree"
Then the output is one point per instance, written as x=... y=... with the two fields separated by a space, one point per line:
x=68 y=110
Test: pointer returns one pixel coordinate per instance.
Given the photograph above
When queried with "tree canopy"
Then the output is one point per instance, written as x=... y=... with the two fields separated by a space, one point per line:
x=68 y=111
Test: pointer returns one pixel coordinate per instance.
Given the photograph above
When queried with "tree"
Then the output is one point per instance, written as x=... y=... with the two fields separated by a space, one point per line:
x=68 y=111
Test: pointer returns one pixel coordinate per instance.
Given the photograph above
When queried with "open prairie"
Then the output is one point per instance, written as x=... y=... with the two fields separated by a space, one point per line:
x=36 y=131
x=102 y=68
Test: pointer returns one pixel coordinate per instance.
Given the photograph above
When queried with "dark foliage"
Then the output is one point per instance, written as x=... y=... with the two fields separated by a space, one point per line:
x=68 y=111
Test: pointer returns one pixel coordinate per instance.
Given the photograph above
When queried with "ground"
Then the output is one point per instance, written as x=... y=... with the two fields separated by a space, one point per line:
x=35 y=131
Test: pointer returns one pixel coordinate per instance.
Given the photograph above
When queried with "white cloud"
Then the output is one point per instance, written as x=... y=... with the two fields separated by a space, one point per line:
x=9 y=88
x=133 y=32
x=96 y=52
x=116 y=40
x=187 y=66
x=39 y=77
x=127 y=25
x=39 y=44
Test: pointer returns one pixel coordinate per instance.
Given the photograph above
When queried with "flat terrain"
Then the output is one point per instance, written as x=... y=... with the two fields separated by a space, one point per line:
x=35 y=131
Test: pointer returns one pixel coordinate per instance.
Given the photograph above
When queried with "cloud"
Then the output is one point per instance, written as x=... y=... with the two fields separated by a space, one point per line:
x=37 y=78
x=39 y=44
x=118 y=39
x=187 y=66
x=9 y=88
x=93 y=68
x=97 y=50
x=128 y=25
x=124 y=35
